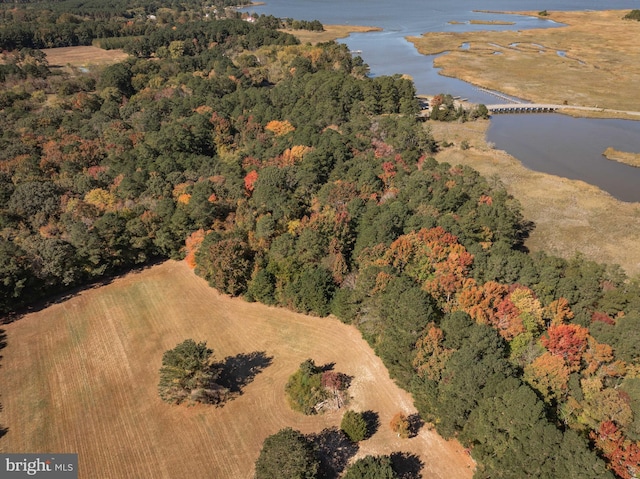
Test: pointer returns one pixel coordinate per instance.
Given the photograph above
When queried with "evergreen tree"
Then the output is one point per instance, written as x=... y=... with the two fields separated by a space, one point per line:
x=287 y=455
x=354 y=425
x=371 y=467
x=188 y=374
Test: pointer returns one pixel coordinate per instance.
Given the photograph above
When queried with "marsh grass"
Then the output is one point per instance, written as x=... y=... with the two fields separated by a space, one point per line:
x=570 y=216
x=631 y=159
x=593 y=61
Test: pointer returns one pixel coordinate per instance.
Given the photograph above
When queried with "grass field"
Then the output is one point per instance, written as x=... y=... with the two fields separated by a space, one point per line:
x=83 y=56
x=594 y=61
x=570 y=216
x=81 y=376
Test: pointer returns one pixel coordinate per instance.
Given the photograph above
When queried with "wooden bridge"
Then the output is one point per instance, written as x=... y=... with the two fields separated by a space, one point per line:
x=522 y=108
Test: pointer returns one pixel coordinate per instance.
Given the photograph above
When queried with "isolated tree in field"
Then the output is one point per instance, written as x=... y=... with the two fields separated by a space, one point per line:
x=187 y=373
x=400 y=425
x=371 y=467
x=287 y=455
x=354 y=425
x=304 y=388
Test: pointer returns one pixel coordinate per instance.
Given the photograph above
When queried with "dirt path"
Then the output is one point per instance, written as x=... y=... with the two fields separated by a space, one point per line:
x=81 y=376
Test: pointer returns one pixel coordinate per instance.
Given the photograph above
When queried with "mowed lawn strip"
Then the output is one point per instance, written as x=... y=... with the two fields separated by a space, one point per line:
x=81 y=376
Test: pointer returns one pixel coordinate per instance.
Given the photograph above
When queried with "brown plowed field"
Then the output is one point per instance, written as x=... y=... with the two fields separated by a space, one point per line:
x=81 y=376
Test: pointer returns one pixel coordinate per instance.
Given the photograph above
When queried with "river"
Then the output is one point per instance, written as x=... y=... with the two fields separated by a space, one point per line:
x=550 y=143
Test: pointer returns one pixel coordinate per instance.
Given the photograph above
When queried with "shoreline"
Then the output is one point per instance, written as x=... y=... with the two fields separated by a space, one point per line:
x=569 y=215
x=331 y=33
x=628 y=158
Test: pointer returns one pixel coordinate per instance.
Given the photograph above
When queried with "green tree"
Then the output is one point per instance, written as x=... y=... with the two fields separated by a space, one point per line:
x=187 y=373
x=354 y=425
x=225 y=262
x=36 y=201
x=15 y=275
x=117 y=76
x=472 y=373
x=311 y=291
x=287 y=455
x=261 y=287
x=371 y=467
x=304 y=388
x=405 y=311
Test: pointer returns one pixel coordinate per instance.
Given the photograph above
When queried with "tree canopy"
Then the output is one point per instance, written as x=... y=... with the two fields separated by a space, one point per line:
x=187 y=374
x=287 y=455
x=371 y=467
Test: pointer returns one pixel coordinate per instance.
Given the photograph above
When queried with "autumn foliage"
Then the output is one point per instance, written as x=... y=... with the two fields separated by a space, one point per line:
x=431 y=356
x=279 y=128
x=432 y=257
x=623 y=455
x=400 y=425
x=250 y=180
x=192 y=244
x=568 y=341
x=549 y=374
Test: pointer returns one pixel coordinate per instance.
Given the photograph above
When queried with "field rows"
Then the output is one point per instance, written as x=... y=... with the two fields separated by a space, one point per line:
x=81 y=376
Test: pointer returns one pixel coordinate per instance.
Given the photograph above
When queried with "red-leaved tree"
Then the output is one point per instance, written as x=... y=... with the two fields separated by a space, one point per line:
x=623 y=455
x=568 y=341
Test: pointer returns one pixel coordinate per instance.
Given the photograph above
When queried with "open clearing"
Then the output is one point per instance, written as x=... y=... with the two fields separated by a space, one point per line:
x=83 y=56
x=570 y=216
x=81 y=376
x=593 y=61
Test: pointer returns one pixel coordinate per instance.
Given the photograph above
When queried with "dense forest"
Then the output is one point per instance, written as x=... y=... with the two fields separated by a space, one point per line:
x=284 y=173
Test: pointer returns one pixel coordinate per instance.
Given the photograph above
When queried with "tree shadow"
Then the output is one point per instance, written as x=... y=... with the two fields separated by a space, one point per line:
x=334 y=449
x=236 y=372
x=327 y=367
x=56 y=297
x=373 y=422
x=3 y=340
x=415 y=424
x=406 y=465
x=526 y=228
